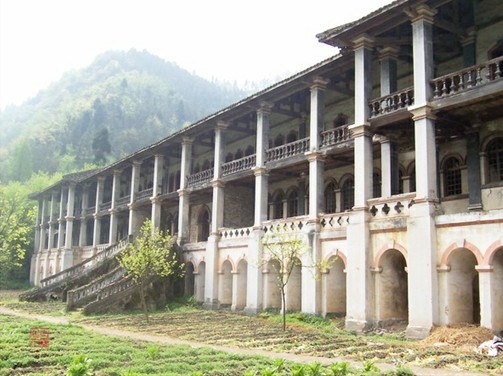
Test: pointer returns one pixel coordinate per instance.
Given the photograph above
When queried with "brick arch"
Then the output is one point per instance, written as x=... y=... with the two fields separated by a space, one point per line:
x=391 y=245
x=466 y=245
x=337 y=254
x=491 y=251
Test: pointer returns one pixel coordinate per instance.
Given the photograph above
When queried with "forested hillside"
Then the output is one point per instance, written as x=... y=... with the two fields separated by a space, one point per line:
x=120 y=103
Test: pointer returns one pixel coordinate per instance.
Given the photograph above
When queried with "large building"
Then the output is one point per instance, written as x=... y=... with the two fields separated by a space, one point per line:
x=387 y=159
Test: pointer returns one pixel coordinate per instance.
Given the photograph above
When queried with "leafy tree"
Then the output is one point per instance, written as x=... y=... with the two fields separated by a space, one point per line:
x=151 y=255
x=101 y=146
x=17 y=216
x=284 y=251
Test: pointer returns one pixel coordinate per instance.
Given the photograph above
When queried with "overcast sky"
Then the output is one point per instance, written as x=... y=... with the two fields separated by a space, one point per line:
x=228 y=40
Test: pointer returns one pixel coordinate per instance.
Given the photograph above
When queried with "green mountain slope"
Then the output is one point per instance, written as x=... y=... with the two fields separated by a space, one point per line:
x=123 y=101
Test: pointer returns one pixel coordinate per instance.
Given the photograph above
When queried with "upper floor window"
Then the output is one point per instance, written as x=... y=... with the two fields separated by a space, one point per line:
x=249 y=150
x=291 y=137
x=277 y=206
x=495 y=160
x=348 y=194
x=340 y=120
x=376 y=184
x=279 y=140
x=330 y=198
x=293 y=204
x=452 y=177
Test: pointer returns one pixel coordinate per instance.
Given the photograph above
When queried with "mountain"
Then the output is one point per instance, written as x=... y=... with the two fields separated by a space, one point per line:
x=121 y=102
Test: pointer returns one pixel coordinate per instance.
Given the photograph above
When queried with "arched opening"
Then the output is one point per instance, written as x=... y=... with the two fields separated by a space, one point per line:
x=199 y=282
x=277 y=205
x=494 y=152
x=294 y=288
x=463 y=288
x=189 y=284
x=239 y=154
x=330 y=198
x=225 y=285
x=497 y=289
x=392 y=285
x=335 y=288
x=272 y=293
x=376 y=184
x=279 y=140
x=241 y=285
x=291 y=137
x=340 y=120
x=203 y=225
x=348 y=194
x=293 y=203
x=250 y=150
x=452 y=176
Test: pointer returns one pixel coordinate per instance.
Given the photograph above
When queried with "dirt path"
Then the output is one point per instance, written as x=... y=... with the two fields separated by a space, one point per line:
x=59 y=320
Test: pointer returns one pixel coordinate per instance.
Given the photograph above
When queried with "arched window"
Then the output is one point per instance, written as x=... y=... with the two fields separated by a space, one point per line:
x=250 y=150
x=348 y=194
x=412 y=182
x=277 y=206
x=330 y=198
x=340 y=120
x=293 y=204
x=495 y=160
x=279 y=140
x=400 y=181
x=239 y=154
x=452 y=177
x=203 y=225
x=206 y=165
x=196 y=169
x=291 y=137
x=376 y=184
x=229 y=157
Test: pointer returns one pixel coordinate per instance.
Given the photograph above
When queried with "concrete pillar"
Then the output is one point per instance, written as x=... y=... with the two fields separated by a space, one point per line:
x=485 y=293
x=422 y=239
x=389 y=168
x=97 y=217
x=358 y=236
x=254 y=277
x=473 y=165
x=116 y=181
x=67 y=252
x=83 y=221
x=157 y=190
x=52 y=220
x=41 y=242
x=135 y=186
x=61 y=220
x=183 y=193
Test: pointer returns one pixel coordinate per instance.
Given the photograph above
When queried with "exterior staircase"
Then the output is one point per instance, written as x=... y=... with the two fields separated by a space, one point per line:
x=58 y=285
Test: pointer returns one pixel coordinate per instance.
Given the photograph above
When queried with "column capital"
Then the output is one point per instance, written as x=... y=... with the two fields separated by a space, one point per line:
x=183 y=192
x=155 y=200
x=117 y=171
x=421 y=13
x=314 y=155
x=422 y=112
x=136 y=163
x=101 y=178
x=217 y=183
x=222 y=125
x=260 y=171
x=265 y=107
x=187 y=141
x=69 y=218
x=360 y=130
x=113 y=211
x=363 y=41
x=319 y=83
x=388 y=52
x=484 y=268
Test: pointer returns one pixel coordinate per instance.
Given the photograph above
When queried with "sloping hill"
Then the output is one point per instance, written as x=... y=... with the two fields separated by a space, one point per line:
x=120 y=103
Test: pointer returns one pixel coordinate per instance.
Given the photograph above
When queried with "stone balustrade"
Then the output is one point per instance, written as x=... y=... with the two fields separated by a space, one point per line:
x=467 y=78
x=393 y=206
x=335 y=220
x=200 y=178
x=235 y=233
x=392 y=102
x=335 y=136
x=122 y=201
x=91 y=210
x=288 y=150
x=237 y=165
x=105 y=205
x=286 y=225
x=146 y=193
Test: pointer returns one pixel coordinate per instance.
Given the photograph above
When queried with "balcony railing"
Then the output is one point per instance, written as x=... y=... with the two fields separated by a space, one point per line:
x=468 y=78
x=335 y=220
x=106 y=205
x=235 y=233
x=391 y=103
x=200 y=178
x=122 y=201
x=393 y=206
x=288 y=150
x=238 y=165
x=285 y=225
x=145 y=193
x=335 y=136
x=91 y=210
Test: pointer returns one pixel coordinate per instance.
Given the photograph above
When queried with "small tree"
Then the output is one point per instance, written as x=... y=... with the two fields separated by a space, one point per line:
x=150 y=255
x=284 y=251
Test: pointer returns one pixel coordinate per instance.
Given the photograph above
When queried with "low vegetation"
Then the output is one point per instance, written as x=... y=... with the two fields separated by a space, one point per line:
x=306 y=335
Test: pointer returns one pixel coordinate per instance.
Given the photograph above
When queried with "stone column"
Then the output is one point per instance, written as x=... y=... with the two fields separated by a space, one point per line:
x=422 y=240
x=183 y=193
x=67 y=254
x=157 y=190
x=358 y=267
x=389 y=168
x=51 y=221
x=254 y=277
x=61 y=225
x=135 y=185
x=116 y=182
x=217 y=217
x=473 y=165
x=302 y=194
x=485 y=293
x=97 y=217
x=41 y=242
x=83 y=220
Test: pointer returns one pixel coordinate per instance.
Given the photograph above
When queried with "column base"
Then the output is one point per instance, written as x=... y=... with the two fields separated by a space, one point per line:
x=251 y=311
x=356 y=325
x=417 y=332
x=474 y=207
x=211 y=305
